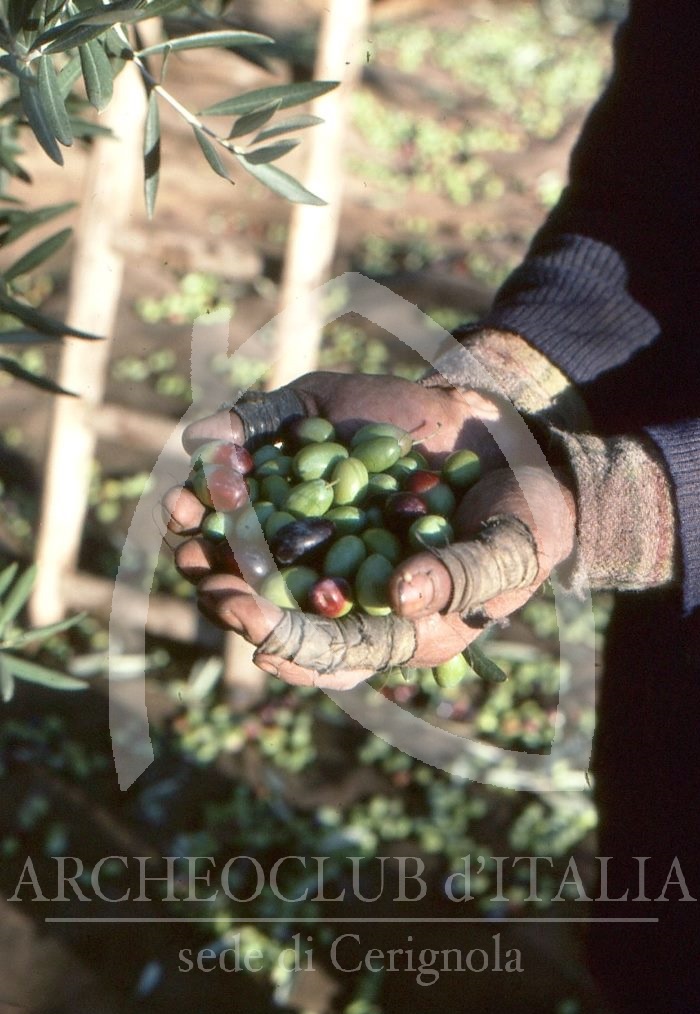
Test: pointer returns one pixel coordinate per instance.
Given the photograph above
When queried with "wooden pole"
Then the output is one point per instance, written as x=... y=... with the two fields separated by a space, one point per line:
x=112 y=172
x=313 y=231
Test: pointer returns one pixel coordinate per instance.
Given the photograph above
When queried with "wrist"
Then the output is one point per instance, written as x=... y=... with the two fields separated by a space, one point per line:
x=505 y=364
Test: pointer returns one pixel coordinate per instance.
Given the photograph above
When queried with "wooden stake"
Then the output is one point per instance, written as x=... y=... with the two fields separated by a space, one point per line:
x=313 y=231
x=113 y=169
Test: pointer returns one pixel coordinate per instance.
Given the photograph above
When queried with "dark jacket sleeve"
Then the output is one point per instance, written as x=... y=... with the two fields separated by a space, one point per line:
x=610 y=288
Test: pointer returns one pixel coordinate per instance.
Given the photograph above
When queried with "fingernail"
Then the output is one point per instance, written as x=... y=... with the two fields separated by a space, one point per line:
x=416 y=593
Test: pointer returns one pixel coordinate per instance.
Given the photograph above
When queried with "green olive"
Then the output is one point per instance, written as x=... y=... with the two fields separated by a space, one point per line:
x=371 y=583
x=309 y=499
x=289 y=587
x=461 y=469
x=263 y=509
x=216 y=526
x=348 y=520
x=450 y=673
x=411 y=462
x=281 y=465
x=253 y=489
x=275 y=521
x=374 y=517
x=314 y=430
x=439 y=500
x=246 y=525
x=430 y=531
x=275 y=488
x=381 y=483
x=378 y=453
x=379 y=540
x=349 y=478
x=268 y=452
x=344 y=557
x=378 y=429
x=316 y=461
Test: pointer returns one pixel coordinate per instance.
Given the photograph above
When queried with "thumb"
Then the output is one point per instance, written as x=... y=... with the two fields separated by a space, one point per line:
x=520 y=528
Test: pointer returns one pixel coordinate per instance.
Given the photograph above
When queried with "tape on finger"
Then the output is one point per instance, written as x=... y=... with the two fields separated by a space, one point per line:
x=501 y=558
x=355 y=642
x=263 y=414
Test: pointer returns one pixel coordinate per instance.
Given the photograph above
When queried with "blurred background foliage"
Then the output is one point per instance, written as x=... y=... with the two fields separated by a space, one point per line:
x=458 y=145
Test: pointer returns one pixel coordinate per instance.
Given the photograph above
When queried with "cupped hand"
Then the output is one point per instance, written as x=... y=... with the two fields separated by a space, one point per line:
x=441 y=420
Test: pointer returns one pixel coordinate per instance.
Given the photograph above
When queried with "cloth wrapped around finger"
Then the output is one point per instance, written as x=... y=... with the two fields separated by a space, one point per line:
x=264 y=414
x=355 y=642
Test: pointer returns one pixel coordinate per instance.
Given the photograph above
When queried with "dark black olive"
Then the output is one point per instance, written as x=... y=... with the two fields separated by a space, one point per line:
x=401 y=510
x=301 y=540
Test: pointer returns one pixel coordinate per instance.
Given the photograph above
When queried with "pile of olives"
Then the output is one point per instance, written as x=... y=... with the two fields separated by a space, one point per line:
x=337 y=519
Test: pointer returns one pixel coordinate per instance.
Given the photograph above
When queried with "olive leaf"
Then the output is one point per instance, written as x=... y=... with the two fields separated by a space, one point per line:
x=22 y=638
x=32 y=318
x=97 y=72
x=211 y=154
x=12 y=367
x=259 y=156
x=37 y=255
x=7 y=577
x=82 y=28
x=7 y=681
x=25 y=338
x=284 y=95
x=484 y=666
x=201 y=40
x=36 y=116
x=19 y=222
x=300 y=122
x=280 y=182
x=16 y=598
x=251 y=121
x=31 y=672
x=151 y=153
x=53 y=101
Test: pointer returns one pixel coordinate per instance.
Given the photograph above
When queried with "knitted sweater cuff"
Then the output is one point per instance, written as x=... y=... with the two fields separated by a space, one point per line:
x=626 y=523
x=503 y=363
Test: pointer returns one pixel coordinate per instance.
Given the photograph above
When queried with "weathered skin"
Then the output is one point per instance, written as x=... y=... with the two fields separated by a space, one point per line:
x=441 y=421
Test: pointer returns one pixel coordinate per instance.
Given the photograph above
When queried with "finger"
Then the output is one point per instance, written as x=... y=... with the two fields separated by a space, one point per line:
x=501 y=558
x=420 y=586
x=182 y=511
x=232 y=604
x=195 y=559
x=439 y=638
x=299 y=676
x=224 y=425
x=537 y=498
x=255 y=417
x=524 y=526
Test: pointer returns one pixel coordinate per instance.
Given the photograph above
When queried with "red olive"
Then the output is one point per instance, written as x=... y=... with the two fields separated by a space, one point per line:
x=224 y=452
x=220 y=488
x=331 y=597
x=421 y=481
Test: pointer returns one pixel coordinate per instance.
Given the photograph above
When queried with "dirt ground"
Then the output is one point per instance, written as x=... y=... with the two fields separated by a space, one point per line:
x=203 y=224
